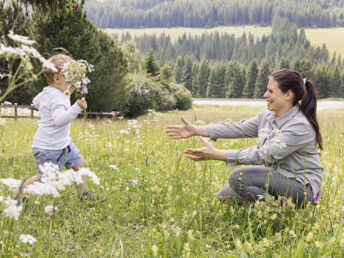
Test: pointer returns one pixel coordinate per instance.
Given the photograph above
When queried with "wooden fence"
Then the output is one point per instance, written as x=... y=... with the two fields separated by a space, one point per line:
x=17 y=109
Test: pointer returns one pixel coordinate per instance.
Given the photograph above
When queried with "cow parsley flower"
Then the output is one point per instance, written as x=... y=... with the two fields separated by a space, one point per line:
x=12 y=209
x=27 y=239
x=50 y=208
x=10 y=182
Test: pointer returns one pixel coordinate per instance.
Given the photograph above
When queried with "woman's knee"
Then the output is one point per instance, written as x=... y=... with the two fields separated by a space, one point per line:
x=236 y=178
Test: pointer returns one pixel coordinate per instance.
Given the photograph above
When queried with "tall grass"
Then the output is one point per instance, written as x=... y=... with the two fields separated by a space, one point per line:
x=161 y=204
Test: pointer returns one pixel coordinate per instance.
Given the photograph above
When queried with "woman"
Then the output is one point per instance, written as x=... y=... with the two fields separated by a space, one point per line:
x=288 y=141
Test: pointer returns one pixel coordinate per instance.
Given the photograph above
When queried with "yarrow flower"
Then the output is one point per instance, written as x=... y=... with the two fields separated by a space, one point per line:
x=27 y=239
x=2 y=122
x=75 y=74
x=10 y=182
x=21 y=39
x=50 y=208
x=12 y=210
x=53 y=181
x=268 y=138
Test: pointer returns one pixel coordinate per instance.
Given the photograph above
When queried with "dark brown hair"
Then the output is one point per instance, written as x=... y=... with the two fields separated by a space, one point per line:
x=304 y=91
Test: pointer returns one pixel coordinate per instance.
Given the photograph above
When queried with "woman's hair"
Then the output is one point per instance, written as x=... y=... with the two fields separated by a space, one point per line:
x=304 y=90
x=58 y=61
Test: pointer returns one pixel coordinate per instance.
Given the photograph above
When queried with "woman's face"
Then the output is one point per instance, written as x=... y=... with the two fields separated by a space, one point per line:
x=278 y=101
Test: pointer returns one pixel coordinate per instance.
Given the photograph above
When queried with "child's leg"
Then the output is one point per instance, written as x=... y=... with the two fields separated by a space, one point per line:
x=30 y=181
x=81 y=188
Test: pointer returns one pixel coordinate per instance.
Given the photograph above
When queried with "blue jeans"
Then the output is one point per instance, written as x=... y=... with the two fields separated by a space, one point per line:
x=251 y=183
x=68 y=157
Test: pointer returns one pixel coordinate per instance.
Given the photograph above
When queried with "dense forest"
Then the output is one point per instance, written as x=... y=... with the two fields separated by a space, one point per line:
x=205 y=13
x=214 y=65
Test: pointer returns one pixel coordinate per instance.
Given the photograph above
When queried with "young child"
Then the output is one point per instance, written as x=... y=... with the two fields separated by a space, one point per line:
x=52 y=142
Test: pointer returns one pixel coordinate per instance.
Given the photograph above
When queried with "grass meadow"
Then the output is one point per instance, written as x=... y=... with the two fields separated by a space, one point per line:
x=162 y=204
x=332 y=37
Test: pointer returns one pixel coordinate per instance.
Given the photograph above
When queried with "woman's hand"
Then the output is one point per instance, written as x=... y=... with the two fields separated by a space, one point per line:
x=208 y=152
x=181 y=131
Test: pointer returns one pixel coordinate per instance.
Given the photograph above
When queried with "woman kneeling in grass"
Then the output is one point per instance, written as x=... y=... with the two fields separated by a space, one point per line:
x=288 y=144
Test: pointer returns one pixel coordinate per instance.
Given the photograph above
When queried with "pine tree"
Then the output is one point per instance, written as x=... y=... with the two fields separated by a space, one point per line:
x=235 y=80
x=179 y=69
x=195 y=85
x=283 y=63
x=251 y=78
x=262 y=80
x=203 y=79
x=150 y=64
x=187 y=74
x=335 y=85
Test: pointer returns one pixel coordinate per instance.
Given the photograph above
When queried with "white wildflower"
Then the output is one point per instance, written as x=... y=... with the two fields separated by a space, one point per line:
x=137 y=169
x=123 y=132
x=155 y=250
x=114 y=167
x=27 y=239
x=10 y=182
x=1 y=198
x=53 y=181
x=12 y=209
x=21 y=39
x=134 y=182
x=200 y=122
x=88 y=172
x=2 y=122
x=50 y=208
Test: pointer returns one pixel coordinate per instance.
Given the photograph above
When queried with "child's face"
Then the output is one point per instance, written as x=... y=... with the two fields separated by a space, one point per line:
x=60 y=83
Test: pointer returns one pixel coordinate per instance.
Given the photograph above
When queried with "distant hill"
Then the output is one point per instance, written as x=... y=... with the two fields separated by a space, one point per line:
x=205 y=13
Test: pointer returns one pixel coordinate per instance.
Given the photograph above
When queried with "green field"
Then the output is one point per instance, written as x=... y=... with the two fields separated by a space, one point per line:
x=332 y=37
x=161 y=204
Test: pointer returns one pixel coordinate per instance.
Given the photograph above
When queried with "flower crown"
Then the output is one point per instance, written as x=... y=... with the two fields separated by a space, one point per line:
x=75 y=74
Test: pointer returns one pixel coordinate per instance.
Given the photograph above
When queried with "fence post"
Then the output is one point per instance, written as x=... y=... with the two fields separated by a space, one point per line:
x=15 y=112
x=31 y=112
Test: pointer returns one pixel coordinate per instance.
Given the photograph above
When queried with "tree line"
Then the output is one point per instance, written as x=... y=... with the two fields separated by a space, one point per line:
x=67 y=29
x=214 y=65
x=204 y=13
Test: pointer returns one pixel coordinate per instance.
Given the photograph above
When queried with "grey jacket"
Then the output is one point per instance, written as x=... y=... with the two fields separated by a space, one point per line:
x=286 y=144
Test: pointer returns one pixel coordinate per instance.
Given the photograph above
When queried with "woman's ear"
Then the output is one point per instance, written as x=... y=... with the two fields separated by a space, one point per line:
x=290 y=95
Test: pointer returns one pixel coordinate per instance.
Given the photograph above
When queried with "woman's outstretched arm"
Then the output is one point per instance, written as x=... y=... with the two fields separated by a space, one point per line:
x=187 y=130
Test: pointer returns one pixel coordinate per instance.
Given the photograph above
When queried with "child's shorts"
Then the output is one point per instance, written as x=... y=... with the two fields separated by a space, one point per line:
x=68 y=157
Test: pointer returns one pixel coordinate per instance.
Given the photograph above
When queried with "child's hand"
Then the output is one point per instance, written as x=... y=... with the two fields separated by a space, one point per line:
x=82 y=103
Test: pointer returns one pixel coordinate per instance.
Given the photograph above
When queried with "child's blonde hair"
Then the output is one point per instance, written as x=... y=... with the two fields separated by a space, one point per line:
x=58 y=61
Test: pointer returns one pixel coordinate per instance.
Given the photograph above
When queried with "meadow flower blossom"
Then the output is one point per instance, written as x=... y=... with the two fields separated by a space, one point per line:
x=89 y=173
x=155 y=250
x=21 y=39
x=12 y=210
x=53 y=181
x=114 y=167
x=2 y=122
x=134 y=182
x=317 y=196
x=75 y=74
x=27 y=239
x=50 y=208
x=200 y=122
x=10 y=182
x=123 y=132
